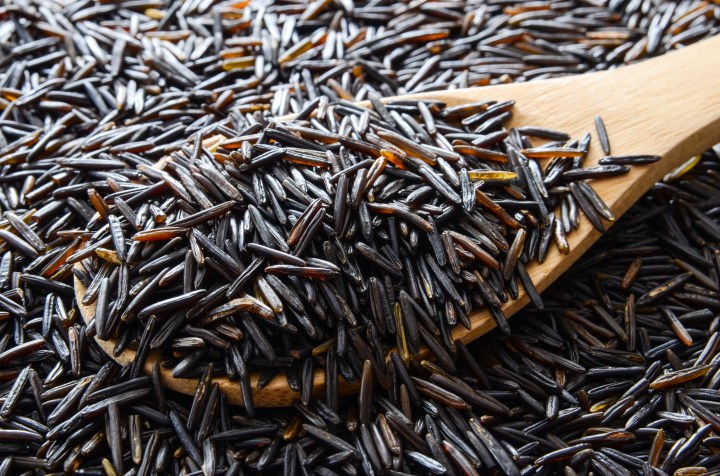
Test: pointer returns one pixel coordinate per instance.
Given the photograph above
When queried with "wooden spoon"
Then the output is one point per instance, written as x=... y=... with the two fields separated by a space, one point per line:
x=669 y=106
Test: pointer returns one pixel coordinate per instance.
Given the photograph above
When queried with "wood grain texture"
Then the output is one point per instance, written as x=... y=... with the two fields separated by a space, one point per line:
x=669 y=106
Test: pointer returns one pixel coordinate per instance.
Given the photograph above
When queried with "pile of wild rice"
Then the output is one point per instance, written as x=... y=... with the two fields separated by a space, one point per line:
x=616 y=375
x=358 y=232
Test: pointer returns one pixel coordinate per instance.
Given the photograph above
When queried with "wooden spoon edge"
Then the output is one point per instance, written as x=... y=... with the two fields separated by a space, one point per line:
x=277 y=393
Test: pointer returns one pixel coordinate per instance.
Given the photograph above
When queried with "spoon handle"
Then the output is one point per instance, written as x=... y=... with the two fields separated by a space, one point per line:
x=668 y=106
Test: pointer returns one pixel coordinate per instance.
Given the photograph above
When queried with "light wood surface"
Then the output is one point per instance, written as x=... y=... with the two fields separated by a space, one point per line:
x=669 y=106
